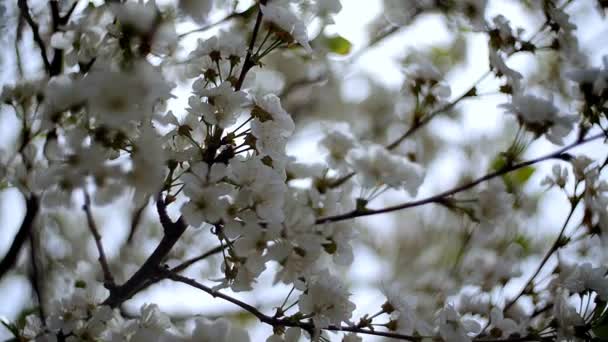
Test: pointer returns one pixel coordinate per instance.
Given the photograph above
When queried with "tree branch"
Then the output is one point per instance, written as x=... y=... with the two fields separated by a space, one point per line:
x=248 y=63
x=442 y=196
x=35 y=278
x=226 y=19
x=287 y=322
x=32 y=207
x=172 y=232
x=184 y=265
x=25 y=13
x=105 y=268
x=135 y=219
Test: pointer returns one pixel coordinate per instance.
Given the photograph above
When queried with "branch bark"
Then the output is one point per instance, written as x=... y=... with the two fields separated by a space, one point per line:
x=287 y=322
x=172 y=232
x=32 y=206
x=107 y=274
x=559 y=154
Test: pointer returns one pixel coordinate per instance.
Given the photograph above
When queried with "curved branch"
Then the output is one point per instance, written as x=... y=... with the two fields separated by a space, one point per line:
x=559 y=154
x=32 y=206
x=286 y=322
x=190 y=262
x=25 y=13
x=172 y=232
x=105 y=268
x=219 y=22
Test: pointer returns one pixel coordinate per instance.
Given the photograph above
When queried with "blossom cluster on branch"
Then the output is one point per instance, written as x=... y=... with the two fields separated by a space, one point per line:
x=121 y=107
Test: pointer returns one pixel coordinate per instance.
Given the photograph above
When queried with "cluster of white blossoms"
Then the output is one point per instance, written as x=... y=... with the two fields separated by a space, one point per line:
x=103 y=123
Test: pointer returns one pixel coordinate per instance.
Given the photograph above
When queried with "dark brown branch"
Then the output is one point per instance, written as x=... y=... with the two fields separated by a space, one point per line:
x=35 y=277
x=32 y=207
x=559 y=154
x=554 y=247
x=226 y=19
x=418 y=125
x=172 y=232
x=25 y=13
x=286 y=322
x=136 y=218
x=57 y=20
x=181 y=267
x=249 y=63
x=103 y=262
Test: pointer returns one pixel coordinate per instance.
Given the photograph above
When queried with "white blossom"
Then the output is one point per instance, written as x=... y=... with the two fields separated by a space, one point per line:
x=376 y=166
x=540 y=116
x=326 y=298
x=454 y=328
x=219 y=330
x=585 y=278
x=198 y=10
x=223 y=106
x=290 y=27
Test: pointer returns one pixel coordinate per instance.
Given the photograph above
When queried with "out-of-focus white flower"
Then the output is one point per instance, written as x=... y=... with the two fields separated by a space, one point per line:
x=220 y=330
x=352 y=337
x=494 y=203
x=148 y=163
x=502 y=326
x=402 y=314
x=119 y=98
x=337 y=143
x=540 y=116
x=198 y=10
x=327 y=300
x=327 y=7
x=513 y=77
x=453 y=328
x=291 y=335
x=376 y=166
x=286 y=25
x=585 y=278
x=559 y=177
x=597 y=78
x=567 y=318
x=136 y=16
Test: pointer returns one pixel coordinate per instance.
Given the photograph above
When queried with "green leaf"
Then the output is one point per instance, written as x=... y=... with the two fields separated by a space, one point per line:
x=523 y=242
x=339 y=45
x=521 y=176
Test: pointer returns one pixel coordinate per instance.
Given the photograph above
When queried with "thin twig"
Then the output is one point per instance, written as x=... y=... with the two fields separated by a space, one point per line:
x=181 y=267
x=287 y=322
x=135 y=219
x=443 y=195
x=249 y=63
x=25 y=13
x=554 y=247
x=148 y=271
x=219 y=22
x=105 y=268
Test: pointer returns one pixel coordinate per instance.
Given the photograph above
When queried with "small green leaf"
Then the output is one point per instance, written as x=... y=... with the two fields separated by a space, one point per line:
x=523 y=242
x=521 y=176
x=498 y=163
x=339 y=45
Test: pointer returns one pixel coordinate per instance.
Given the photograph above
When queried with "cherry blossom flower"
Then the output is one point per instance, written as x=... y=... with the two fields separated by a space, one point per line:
x=540 y=116
x=326 y=299
x=376 y=166
x=286 y=25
